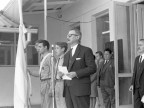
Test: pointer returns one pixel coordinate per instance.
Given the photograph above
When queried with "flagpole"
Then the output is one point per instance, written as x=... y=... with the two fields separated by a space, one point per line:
x=45 y=19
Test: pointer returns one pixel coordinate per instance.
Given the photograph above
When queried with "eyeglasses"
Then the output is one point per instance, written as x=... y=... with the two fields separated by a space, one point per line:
x=70 y=35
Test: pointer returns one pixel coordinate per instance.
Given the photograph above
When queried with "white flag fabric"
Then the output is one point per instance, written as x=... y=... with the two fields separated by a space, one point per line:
x=20 y=82
x=21 y=79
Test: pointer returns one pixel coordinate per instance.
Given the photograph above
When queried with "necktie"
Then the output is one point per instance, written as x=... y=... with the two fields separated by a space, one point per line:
x=57 y=67
x=71 y=53
x=70 y=56
x=140 y=59
x=106 y=61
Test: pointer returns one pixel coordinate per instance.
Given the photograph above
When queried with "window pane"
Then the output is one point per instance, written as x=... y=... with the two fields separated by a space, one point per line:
x=34 y=38
x=7 y=49
x=125 y=96
x=32 y=56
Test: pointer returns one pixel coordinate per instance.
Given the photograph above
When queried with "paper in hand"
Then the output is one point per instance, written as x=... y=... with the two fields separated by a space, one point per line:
x=64 y=70
x=142 y=99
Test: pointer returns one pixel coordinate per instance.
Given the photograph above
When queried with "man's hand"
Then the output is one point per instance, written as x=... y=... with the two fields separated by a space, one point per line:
x=60 y=74
x=72 y=74
x=131 y=88
x=29 y=71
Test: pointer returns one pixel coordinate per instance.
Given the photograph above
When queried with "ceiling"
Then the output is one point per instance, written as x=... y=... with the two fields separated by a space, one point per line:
x=37 y=6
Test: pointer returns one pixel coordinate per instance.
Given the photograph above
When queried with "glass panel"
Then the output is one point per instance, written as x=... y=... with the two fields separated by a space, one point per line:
x=7 y=49
x=125 y=96
x=32 y=56
x=34 y=38
x=102 y=30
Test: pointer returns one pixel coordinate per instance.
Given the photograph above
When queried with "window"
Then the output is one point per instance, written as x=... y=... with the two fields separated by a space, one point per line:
x=8 y=48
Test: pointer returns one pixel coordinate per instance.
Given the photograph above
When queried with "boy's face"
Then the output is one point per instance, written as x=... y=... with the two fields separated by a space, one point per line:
x=107 y=55
x=41 y=49
x=98 y=57
x=59 y=51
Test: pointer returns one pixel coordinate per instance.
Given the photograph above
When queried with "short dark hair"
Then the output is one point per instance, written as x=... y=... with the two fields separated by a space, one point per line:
x=62 y=45
x=100 y=53
x=108 y=50
x=44 y=42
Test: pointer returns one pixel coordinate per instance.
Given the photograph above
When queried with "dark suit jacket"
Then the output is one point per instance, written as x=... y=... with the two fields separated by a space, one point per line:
x=138 y=71
x=106 y=74
x=83 y=64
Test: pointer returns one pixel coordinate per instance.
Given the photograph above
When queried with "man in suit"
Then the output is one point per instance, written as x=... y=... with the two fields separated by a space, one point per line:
x=106 y=79
x=80 y=64
x=138 y=77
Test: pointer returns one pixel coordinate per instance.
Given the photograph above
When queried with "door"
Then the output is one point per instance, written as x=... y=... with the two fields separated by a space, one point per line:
x=120 y=30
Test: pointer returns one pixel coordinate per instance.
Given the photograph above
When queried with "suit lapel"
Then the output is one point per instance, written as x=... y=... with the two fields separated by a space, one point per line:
x=66 y=59
x=142 y=67
x=77 y=51
x=105 y=66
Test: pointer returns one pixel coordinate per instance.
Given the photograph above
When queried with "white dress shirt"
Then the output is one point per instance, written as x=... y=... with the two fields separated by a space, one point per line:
x=74 y=49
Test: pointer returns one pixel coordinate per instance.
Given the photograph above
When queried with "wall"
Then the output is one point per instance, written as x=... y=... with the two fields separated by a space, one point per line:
x=7 y=86
x=85 y=11
x=54 y=27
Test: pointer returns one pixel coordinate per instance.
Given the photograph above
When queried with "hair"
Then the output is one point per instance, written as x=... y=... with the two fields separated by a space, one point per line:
x=77 y=31
x=44 y=42
x=100 y=53
x=108 y=50
x=62 y=45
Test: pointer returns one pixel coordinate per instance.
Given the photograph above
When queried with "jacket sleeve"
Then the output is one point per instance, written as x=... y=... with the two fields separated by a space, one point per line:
x=90 y=67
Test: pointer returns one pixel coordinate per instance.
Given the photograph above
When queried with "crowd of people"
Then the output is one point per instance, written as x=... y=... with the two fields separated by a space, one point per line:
x=92 y=83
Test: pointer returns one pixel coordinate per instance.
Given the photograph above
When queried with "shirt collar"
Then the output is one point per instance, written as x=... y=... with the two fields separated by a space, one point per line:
x=74 y=47
x=142 y=56
x=62 y=56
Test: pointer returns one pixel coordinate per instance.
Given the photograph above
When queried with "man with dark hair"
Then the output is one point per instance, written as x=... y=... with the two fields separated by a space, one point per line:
x=138 y=77
x=45 y=73
x=106 y=79
x=80 y=64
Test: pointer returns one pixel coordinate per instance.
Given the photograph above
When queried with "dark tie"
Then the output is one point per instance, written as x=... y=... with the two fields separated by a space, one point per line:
x=140 y=59
x=70 y=55
x=57 y=67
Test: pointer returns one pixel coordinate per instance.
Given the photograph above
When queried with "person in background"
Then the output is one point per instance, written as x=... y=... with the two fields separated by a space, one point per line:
x=95 y=99
x=45 y=73
x=106 y=79
x=60 y=50
x=138 y=77
x=80 y=64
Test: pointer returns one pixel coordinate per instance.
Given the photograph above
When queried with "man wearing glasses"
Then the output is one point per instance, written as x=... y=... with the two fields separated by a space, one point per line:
x=80 y=64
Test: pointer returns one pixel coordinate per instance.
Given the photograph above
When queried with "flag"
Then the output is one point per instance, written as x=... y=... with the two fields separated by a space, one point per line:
x=21 y=78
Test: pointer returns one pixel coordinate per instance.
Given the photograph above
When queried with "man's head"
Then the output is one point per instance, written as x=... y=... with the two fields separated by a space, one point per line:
x=60 y=48
x=99 y=55
x=74 y=36
x=42 y=46
x=107 y=54
x=141 y=47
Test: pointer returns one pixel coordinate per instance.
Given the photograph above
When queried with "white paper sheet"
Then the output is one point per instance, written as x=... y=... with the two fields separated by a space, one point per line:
x=64 y=70
x=142 y=99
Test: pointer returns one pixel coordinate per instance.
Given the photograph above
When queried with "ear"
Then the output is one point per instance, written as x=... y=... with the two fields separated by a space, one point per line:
x=77 y=37
x=63 y=49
